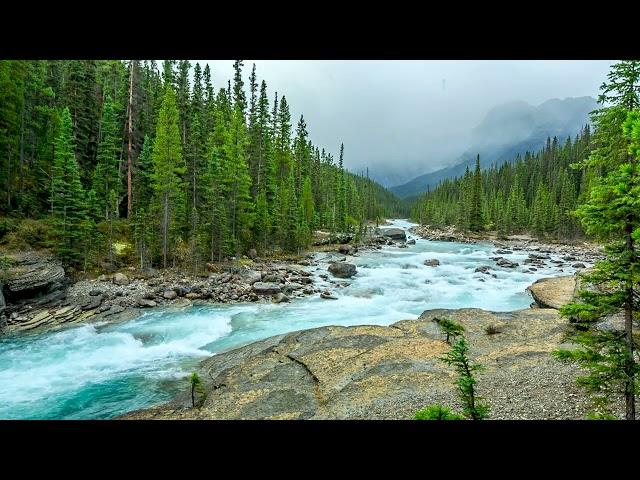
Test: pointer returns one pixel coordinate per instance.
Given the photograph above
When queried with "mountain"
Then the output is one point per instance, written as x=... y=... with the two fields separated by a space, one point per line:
x=509 y=130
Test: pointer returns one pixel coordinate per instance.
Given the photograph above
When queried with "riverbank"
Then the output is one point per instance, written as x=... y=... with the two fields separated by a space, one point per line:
x=40 y=297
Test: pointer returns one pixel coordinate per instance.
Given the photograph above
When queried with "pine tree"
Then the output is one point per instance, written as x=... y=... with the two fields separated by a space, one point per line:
x=239 y=98
x=106 y=176
x=168 y=166
x=341 y=193
x=82 y=99
x=67 y=196
x=238 y=183
x=475 y=215
x=474 y=407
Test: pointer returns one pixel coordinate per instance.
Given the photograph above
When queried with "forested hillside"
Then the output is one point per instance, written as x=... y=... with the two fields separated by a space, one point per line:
x=535 y=193
x=180 y=172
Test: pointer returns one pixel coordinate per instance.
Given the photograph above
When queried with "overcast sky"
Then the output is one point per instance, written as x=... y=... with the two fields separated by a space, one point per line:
x=410 y=114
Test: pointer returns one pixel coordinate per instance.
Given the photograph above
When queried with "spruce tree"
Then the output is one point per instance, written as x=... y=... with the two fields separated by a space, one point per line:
x=67 y=196
x=168 y=167
x=475 y=215
x=106 y=176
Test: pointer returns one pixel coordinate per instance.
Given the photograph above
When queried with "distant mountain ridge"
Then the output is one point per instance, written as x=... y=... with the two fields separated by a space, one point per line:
x=509 y=130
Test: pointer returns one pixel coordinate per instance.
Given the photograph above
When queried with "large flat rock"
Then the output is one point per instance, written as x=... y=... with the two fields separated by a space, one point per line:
x=379 y=372
x=553 y=292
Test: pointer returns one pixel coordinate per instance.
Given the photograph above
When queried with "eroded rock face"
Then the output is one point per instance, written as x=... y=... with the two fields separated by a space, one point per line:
x=553 y=292
x=342 y=269
x=369 y=371
x=145 y=303
x=32 y=274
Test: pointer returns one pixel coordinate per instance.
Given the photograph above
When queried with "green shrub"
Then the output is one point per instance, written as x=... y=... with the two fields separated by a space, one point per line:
x=437 y=412
x=28 y=233
x=7 y=224
x=600 y=416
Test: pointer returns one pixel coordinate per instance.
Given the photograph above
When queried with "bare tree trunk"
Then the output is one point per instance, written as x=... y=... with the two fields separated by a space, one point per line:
x=129 y=158
x=165 y=229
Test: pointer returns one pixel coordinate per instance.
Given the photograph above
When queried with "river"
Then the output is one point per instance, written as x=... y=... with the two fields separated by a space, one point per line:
x=98 y=371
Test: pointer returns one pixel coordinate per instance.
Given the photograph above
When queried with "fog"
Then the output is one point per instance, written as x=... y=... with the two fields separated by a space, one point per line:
x=406 y=118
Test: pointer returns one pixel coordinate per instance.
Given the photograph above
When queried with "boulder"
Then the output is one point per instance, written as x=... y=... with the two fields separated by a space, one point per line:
x=279 y=298
x=553 y=292
x=503 y=262
x=192 y=295
x=169 y=294
x=503 y=252
x=393 y=233
x=91 y=303
x=95 y=292
x=579 y=265
x=249 y=276
x=252 y=254
x=182 y=290
x=264 y=288
x=432 y=262
x=344 y=249
x=146 y=303
x=272 y=278
x=292 y=286
x=120 y=279
x=483 y=269
x=149 y=272
x=327 y=295
x=411 y=242
x=342 y=269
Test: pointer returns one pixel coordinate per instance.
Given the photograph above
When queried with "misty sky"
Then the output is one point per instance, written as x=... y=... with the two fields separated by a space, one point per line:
x=413 y=115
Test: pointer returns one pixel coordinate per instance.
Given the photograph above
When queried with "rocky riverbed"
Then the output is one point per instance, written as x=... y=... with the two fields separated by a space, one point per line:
x=40 y=296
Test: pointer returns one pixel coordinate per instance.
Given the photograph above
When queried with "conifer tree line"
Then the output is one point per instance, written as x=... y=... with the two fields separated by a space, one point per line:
x=535 y=193
x=192 y=174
